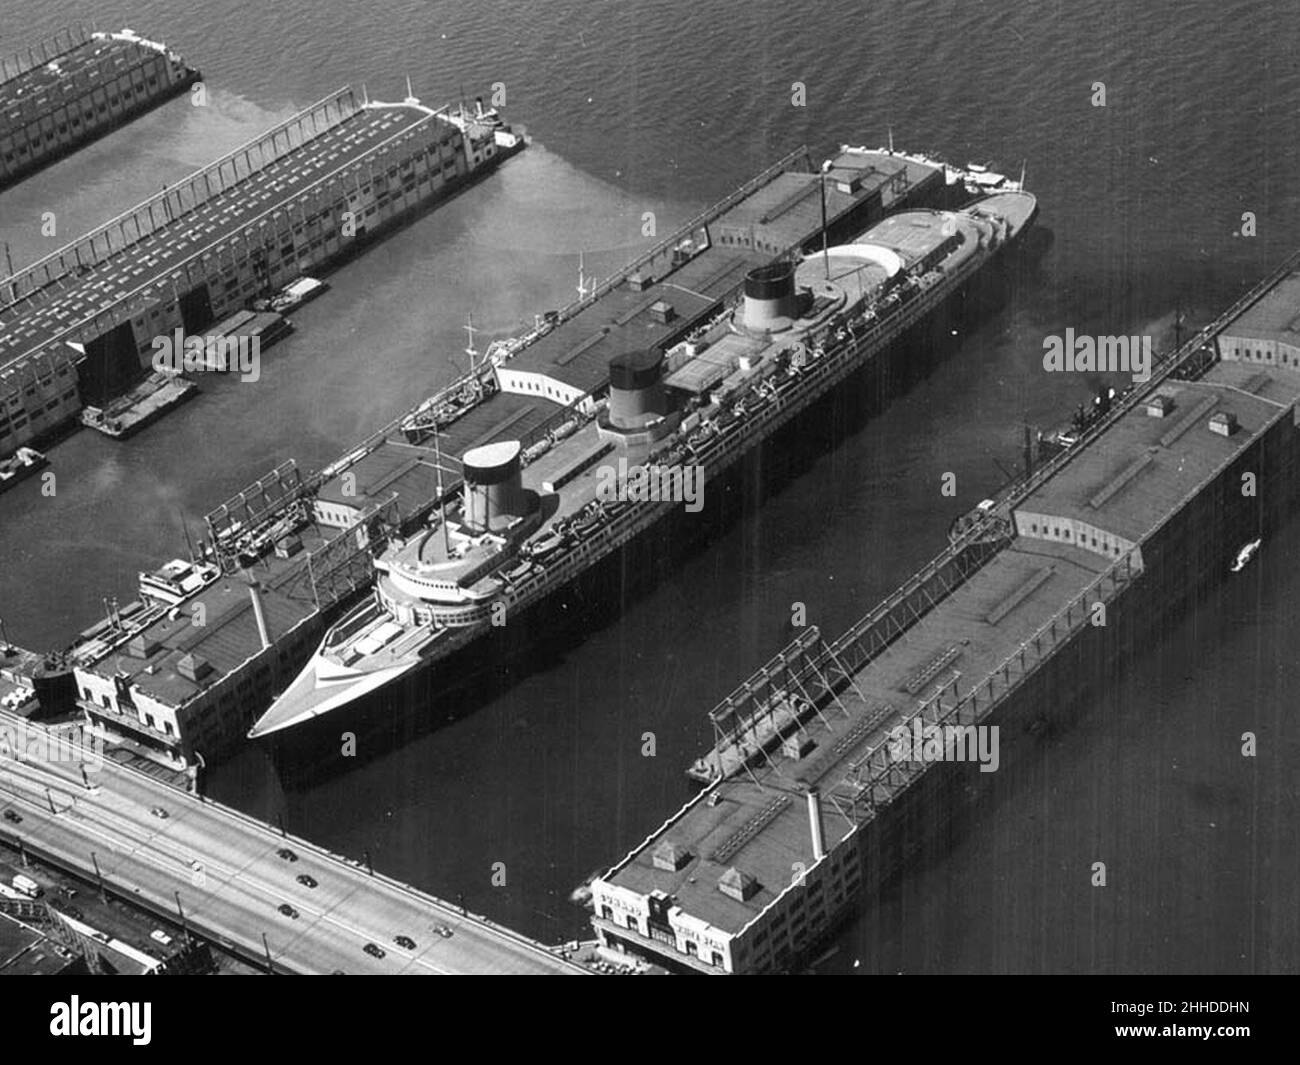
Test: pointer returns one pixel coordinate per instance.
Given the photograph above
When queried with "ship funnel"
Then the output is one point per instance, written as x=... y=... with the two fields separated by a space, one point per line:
x=815 y=824
x=636 y=391
x=494 y=491
x=770 y=297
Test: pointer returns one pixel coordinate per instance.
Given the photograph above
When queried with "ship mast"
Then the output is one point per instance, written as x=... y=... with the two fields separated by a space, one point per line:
x=186 y=530
x=582 y=281
x=442 y=499
x=470 y=350
x=821 y=182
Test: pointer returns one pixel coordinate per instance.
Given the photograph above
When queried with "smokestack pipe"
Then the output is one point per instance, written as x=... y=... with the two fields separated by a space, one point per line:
x=815 y=824
x=255 y=594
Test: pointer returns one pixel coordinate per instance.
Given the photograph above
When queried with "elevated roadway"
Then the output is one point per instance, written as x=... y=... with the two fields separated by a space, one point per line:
x=227 y=870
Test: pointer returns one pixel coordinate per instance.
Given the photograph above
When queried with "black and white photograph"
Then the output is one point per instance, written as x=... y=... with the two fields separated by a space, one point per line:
x=578 y=487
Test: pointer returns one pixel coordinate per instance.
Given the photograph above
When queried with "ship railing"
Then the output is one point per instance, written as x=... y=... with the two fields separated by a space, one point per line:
x=355 y=454
x=833 y=364
x=82 y=254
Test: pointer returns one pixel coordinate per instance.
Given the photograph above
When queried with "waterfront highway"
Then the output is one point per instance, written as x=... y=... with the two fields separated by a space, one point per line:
x=231 y=881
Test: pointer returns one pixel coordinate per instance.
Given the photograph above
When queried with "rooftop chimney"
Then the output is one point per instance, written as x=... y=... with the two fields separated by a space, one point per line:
x=815 y=824
x=255 y=594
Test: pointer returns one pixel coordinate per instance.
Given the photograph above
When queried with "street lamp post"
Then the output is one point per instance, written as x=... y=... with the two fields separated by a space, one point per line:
x=99 y=877
x=185 y=931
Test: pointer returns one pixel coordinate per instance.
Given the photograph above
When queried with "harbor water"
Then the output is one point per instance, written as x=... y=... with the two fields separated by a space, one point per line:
x=664 y=108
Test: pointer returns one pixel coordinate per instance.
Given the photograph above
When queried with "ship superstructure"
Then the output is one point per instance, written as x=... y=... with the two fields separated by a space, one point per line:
x=531 y=521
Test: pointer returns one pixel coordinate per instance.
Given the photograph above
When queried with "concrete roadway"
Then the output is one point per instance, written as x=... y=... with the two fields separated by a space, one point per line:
x=242 y=881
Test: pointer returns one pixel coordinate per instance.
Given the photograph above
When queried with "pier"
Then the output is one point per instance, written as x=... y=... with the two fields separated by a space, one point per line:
x=78 y=325
x=1075 y=567
x=63 y=92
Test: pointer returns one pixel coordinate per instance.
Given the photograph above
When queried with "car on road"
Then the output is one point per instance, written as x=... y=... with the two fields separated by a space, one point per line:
x=444 y=931
x=306 y=881
x=374 y=950
x=159 y=812
x=288 y=910
x=287 y=854
x=405 y=942
x=14 y=816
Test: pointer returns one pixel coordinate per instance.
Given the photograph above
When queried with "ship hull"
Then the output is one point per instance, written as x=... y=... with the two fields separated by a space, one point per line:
x=482 y=663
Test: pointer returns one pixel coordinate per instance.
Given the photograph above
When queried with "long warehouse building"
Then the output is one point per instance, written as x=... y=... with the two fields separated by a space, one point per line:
x=78 y=326
x=67 y=91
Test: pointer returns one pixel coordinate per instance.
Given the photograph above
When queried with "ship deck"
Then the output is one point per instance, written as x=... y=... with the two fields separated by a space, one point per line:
x=779 y=214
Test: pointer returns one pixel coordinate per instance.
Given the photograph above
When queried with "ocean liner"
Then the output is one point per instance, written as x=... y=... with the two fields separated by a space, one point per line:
x=530 y=521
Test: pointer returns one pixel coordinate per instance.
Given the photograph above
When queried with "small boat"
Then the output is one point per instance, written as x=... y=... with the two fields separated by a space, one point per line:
x=177 y=580
x=567 y=429
x=535 y=451
x=22 y=464
x=546 y=546
x=519 y=572
x=299 y=291
x=1245 y=555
